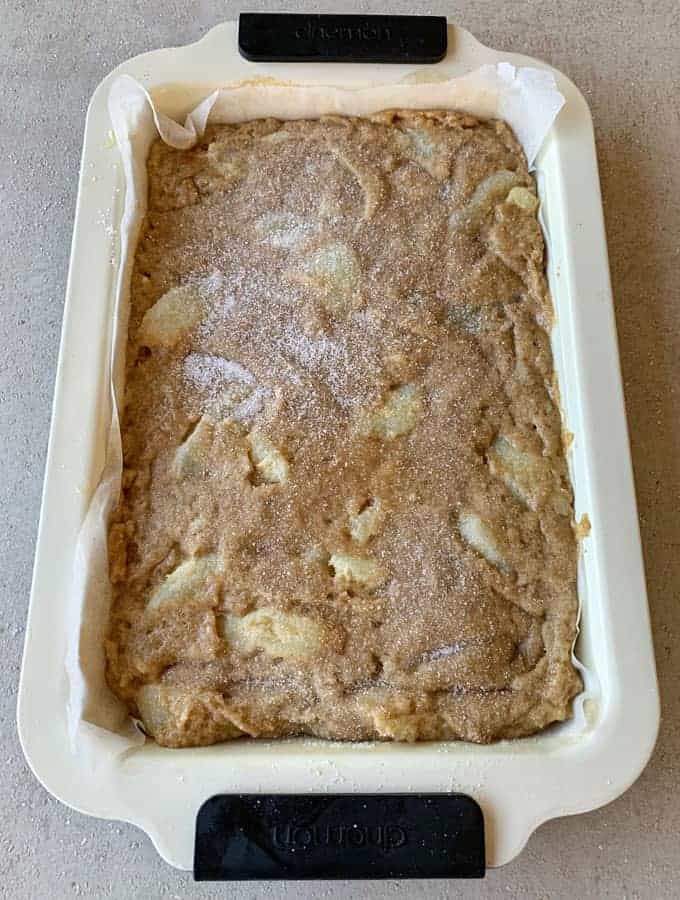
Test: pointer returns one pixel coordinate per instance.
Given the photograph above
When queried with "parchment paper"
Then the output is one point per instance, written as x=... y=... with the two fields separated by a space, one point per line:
x=526 y=98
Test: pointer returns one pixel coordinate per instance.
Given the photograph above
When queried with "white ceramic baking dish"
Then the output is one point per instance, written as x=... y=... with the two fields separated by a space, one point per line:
x=518 y=784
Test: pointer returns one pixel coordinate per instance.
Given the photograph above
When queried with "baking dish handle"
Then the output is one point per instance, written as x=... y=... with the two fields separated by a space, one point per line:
x=271 y=837
x=295 y=37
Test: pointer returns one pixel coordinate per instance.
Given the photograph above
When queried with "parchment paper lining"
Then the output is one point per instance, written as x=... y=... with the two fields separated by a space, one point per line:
x=525 y=98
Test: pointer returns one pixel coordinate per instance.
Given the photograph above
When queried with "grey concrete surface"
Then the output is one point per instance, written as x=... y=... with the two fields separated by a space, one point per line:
x=625 y=56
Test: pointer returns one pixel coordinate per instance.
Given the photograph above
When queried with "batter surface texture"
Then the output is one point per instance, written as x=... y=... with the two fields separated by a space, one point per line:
x=345 y=509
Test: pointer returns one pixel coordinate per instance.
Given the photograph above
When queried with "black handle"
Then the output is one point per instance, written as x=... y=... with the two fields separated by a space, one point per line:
x=286 y=37
x=246 y=837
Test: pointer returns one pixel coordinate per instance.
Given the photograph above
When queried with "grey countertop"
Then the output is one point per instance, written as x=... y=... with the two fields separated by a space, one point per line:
x=625 y=57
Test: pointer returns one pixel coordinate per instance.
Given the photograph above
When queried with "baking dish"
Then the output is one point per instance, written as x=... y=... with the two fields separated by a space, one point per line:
x=518 y=784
